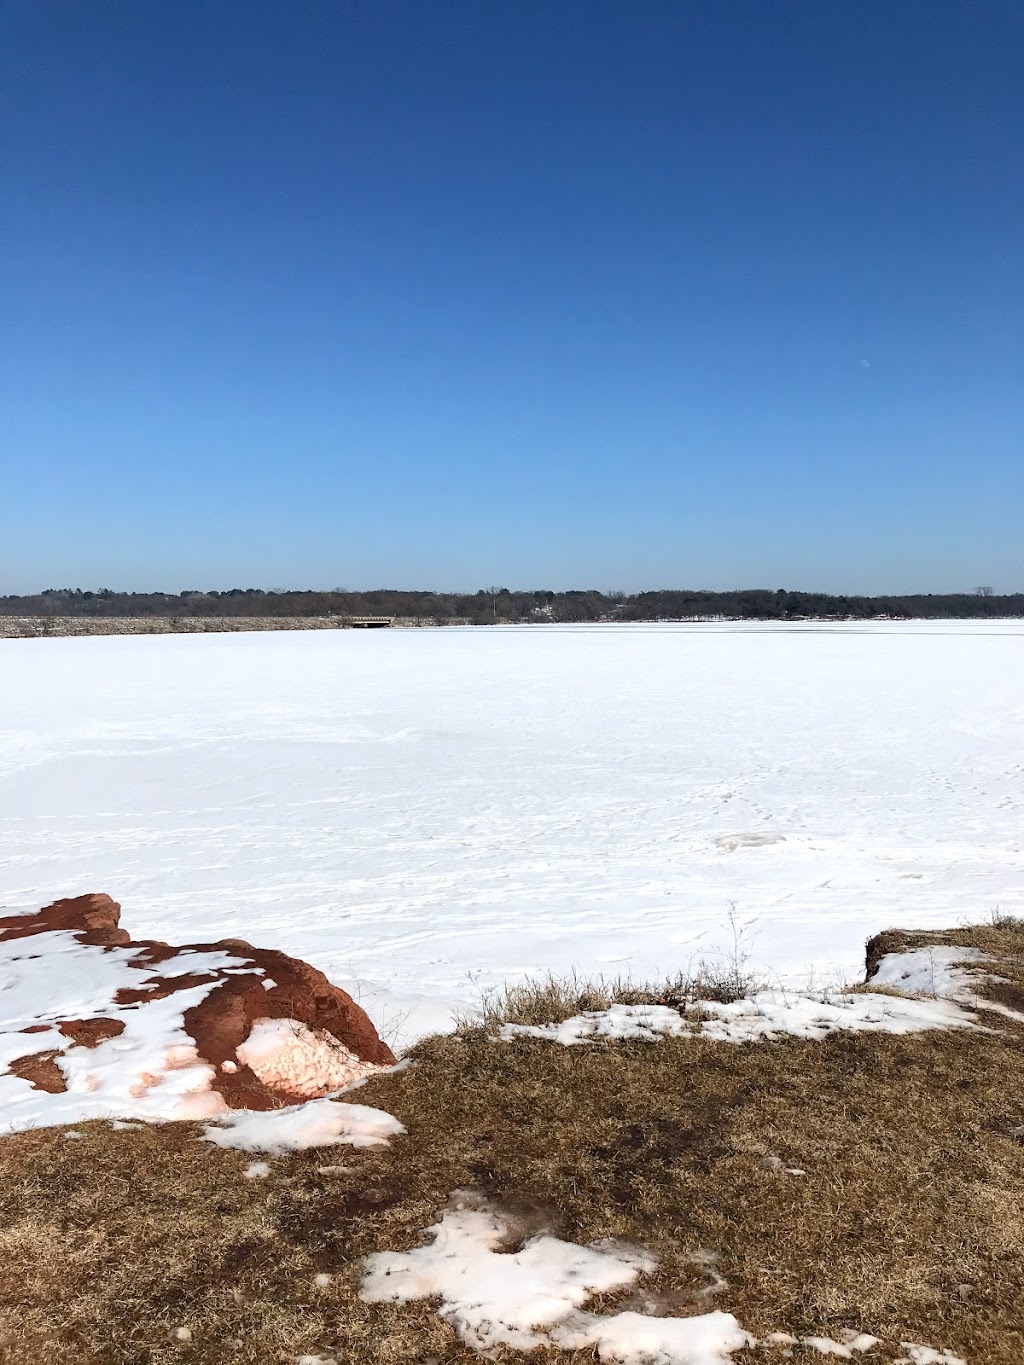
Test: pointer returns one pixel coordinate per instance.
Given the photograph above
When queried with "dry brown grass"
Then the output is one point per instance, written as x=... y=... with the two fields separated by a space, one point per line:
x=550 y=999
x=909 y=1223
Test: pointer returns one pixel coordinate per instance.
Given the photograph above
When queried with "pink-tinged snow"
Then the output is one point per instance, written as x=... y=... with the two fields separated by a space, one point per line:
x=288 y=1056
x=152 y=1070
x=427 y=814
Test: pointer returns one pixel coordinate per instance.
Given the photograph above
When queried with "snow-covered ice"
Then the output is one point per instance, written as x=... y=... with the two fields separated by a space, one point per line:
x=425 y=814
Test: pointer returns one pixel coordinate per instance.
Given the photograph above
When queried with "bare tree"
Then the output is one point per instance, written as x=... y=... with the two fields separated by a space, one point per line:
x=984 y=591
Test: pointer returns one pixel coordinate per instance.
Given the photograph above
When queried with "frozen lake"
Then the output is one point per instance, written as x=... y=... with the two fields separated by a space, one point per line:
x=426 y=813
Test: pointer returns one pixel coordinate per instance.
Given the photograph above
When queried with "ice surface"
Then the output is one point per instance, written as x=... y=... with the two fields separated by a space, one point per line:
x=425 y=814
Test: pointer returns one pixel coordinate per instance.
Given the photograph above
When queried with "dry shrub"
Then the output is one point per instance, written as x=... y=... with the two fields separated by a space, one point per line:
x=550 y=999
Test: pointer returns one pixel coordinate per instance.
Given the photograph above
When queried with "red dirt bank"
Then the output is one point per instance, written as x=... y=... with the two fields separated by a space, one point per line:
x=224 y=1018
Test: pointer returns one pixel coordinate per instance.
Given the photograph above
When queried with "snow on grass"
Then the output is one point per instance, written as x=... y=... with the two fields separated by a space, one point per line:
x=940 y=971
x=948 y=973
x=852 y=1342
x=618 y=1023
x=535 y=1296
x=422 y=814
x=317 y=1123
x=771 y=1015
x=927 y=1355
x=764 y=1015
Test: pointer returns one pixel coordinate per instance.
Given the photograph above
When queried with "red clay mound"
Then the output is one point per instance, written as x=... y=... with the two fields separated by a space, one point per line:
x=93 y=919
x=325 y=1041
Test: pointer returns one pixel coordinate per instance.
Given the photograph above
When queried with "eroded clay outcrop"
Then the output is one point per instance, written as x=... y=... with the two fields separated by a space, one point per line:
x=93 y=919
x=270 y=1028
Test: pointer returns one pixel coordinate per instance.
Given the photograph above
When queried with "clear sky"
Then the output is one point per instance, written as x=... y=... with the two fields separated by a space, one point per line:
x=610 y=293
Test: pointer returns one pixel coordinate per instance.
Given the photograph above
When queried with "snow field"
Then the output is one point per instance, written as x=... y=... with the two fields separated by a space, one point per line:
x=427 y=814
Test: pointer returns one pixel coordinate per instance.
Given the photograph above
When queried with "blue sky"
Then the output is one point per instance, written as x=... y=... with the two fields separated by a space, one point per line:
x=708 y=293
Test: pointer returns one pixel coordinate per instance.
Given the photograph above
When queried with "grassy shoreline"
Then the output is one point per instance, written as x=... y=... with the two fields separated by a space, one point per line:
x=907 y=1221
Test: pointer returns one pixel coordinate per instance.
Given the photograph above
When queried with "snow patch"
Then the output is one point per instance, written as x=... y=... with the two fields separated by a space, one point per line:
x=534 y=1297
x=771 y=1015
x=932 y=971
x=765 y=1015
x=618 y=1023
x=851 y=1342
x=289 y=1056
x=927 y=1355
x=317 y=1123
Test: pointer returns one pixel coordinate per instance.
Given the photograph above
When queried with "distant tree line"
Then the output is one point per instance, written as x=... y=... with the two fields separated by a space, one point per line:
x=491 y=606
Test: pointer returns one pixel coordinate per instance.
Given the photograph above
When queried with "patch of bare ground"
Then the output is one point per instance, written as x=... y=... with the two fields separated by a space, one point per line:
x=907 y=1224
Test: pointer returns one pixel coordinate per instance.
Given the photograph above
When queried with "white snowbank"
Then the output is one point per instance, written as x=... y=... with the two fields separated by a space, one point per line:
x=317 y=1123
x=765 y=1015
x=285 y=1054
